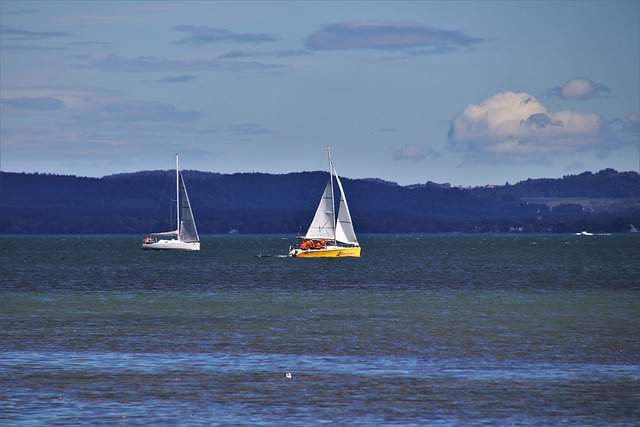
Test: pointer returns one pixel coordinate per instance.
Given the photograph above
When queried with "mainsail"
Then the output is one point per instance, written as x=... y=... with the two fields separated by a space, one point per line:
x=187 y=227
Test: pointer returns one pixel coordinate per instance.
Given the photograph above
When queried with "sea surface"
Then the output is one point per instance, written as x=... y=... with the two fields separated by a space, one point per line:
x=422 y=330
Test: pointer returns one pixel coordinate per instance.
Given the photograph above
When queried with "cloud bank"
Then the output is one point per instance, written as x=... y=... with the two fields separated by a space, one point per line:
x=386 y=36
x=515 y=128
x=579 y=89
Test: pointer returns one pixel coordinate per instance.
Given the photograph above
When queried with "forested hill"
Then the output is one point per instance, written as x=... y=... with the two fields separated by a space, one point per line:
x=607 y=201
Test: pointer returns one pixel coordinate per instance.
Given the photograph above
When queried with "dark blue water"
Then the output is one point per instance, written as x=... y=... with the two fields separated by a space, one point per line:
x=441 y=330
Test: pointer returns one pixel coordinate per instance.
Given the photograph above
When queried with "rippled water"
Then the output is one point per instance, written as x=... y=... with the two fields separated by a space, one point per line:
x=441 y=330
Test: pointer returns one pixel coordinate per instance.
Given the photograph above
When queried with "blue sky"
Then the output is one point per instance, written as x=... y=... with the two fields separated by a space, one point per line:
x=469 y=93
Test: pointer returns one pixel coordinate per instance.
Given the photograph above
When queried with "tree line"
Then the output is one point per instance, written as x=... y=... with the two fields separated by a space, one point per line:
x=137 y=203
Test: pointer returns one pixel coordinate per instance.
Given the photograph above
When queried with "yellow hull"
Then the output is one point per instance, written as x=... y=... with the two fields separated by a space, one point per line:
x=330 y=252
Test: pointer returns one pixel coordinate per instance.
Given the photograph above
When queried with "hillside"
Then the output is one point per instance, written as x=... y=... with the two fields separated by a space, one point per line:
x=607 y=201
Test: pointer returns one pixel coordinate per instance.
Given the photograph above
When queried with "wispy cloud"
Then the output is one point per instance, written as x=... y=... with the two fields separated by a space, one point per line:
x=10 y=36
x=91 y=44
x=90 y=121
x=631 y=123
x=34 y=103
x=235 y=54
x=580 y=88
x=247 y=129
x=92 y=106
x=288 y=53
x=621 y=131
x=515 y=128
x=19 y=34
x=177 y=79
x=32 y=48
x=141 y=111
x=388 y=36
x=204 y=35
x=20 y=12
x=143 y=64
x=75 y=20
x=415 y=152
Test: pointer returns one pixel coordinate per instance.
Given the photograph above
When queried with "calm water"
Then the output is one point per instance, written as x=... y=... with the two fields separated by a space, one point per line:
x=440 y=330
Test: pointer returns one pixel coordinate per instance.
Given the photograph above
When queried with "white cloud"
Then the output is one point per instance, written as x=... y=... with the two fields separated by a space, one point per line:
x=580 y=88
x=515 y=128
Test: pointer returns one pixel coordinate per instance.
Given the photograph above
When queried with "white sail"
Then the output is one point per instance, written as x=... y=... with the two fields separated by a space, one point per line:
x=322 y=226
x=187 y=226
x=344 y=227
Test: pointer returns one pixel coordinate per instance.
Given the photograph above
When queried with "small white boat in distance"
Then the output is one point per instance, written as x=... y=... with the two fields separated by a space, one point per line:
x=185 y=236
x=584 y=233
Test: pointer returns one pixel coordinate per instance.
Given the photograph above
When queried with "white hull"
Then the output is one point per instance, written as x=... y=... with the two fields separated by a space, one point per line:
x=171 y=244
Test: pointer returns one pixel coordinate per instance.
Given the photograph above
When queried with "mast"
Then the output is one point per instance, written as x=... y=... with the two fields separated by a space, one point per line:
x=177 y=197
x=333 y=203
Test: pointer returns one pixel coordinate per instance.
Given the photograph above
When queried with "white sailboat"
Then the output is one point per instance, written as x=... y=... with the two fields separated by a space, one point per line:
x=329 y=235
x=185 y=236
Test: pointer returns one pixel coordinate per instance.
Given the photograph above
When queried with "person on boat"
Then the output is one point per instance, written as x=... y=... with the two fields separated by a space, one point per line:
x=307 y=244
x=324 y=243
x=318 y=245
x=147 y=239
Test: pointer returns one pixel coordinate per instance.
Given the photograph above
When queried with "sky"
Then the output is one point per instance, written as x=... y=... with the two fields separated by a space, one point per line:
x=468 y=93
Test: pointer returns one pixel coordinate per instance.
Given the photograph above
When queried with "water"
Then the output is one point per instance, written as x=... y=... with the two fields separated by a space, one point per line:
x=440 y=330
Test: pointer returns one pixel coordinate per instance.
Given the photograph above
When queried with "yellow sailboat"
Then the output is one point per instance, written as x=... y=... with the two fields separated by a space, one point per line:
x=329 y=236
